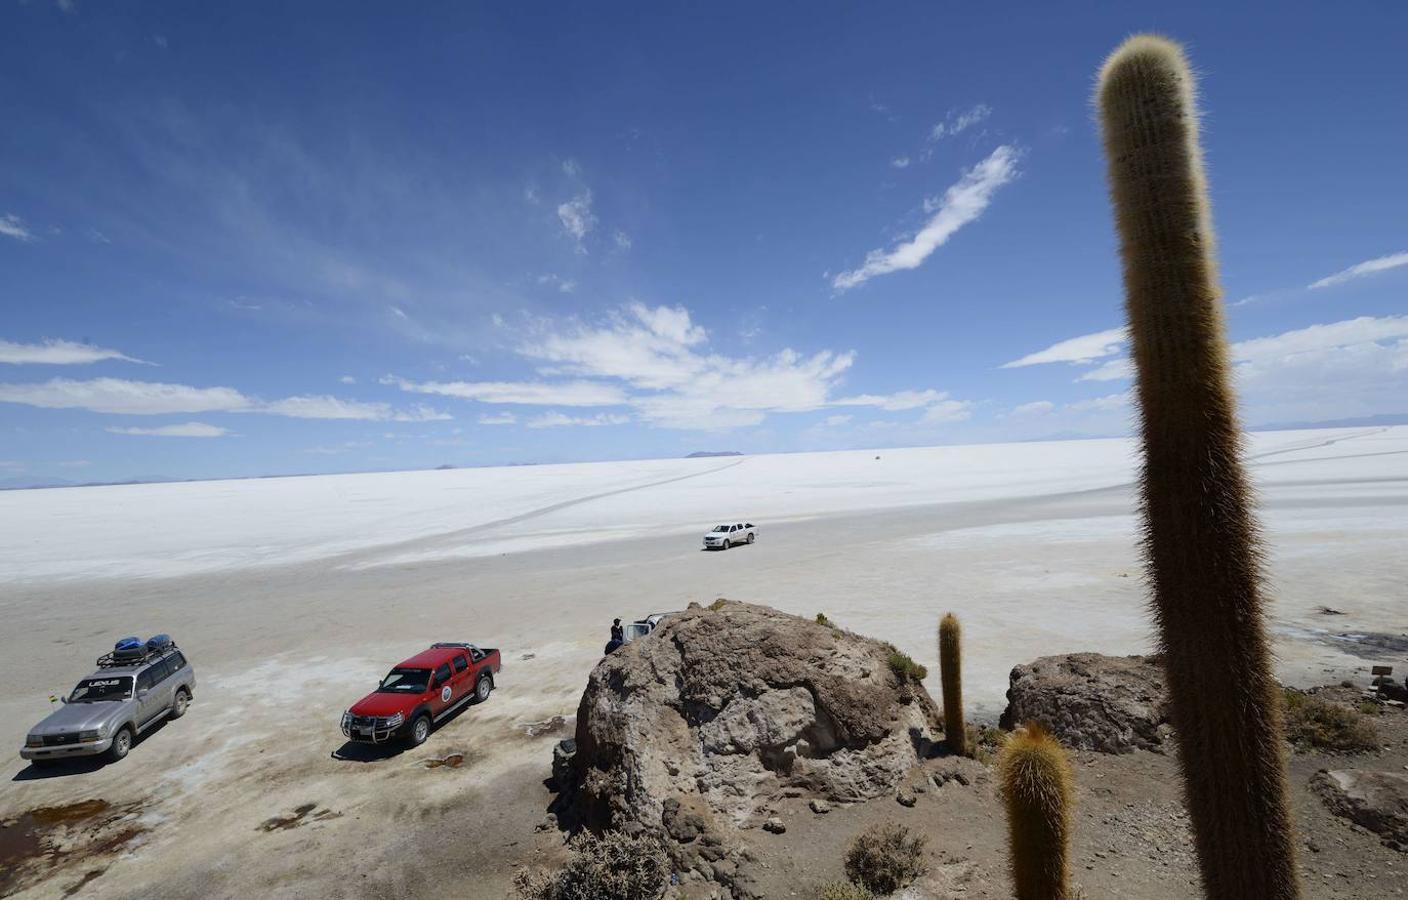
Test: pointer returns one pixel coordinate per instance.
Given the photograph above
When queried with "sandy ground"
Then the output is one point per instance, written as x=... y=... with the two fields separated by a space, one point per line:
x=211 y=803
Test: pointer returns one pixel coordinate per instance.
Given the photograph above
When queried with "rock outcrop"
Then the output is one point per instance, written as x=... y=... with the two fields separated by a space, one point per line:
x=1092 y=702
x=694 y=729
x=1377 y=801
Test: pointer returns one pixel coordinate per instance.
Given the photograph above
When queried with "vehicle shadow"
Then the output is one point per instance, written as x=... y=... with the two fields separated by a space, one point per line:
x=81 y=765
x=363 y=752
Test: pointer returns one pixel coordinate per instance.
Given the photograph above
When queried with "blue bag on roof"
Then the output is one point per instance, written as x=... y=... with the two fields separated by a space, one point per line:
x=158 y=642
x=129 y=648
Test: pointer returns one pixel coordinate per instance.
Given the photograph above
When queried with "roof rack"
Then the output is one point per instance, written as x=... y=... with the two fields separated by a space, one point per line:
x=107 y=660
x=453 y=645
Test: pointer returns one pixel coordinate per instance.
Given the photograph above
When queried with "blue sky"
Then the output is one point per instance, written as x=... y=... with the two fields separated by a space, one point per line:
x=245 y=239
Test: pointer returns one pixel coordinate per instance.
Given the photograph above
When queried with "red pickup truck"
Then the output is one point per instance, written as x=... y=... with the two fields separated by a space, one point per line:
x=421 y=691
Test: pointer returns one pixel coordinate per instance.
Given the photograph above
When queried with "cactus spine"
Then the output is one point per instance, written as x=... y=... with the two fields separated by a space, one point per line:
x=1200 y=538
x=1034 y=778
x=951 y=674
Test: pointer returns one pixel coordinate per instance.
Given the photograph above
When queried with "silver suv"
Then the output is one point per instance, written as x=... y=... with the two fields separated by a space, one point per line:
x=108 y=709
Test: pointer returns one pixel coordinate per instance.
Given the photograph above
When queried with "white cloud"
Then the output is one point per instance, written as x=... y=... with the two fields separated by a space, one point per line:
x=565 y=285
x=947 y=411
x=347 y=379
x=398 y=312
x=623 y=240
x=571 y=168
x=958 y=122
x=116 y=395
x=503 y=418
x=962 y=203
x=58 y=353
x=1084 y=349
x=1034 y=408
x=1368 y=267
x=660 y=356
x=1114 y=370
x=1107 y=403
x=900 y=400
x=558 y=420
x=149 y=398
x=837 y=420
x=188 y=430
x=577 y=218
x=12 y=226
x=571 y=393
x=900 y=162
x=530 y=193
x=321 y=406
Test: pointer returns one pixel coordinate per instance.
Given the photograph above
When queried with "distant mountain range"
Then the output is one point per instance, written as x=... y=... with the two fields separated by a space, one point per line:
x=701 y=454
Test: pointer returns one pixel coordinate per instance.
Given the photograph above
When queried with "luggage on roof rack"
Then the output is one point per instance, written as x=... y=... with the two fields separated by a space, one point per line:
x=133 y=651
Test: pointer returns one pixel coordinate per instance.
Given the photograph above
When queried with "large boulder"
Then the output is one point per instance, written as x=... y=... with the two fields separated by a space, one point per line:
x=1110 y=704
x=696 y=728
x=1377 y=801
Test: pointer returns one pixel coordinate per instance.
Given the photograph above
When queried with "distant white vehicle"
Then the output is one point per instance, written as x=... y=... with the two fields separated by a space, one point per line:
x=724 y=536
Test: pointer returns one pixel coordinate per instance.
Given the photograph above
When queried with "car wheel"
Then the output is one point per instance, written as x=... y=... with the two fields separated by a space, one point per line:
x=121 y=744
x=726 y=544
x=420 y=730
x=178 y=706
x=483 y=689
x=750 y=537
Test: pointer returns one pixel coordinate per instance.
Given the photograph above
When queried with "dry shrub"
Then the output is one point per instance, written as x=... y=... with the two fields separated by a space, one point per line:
x=885 y=858
x=843 y=890
x=1321 y=725
x=614 y=866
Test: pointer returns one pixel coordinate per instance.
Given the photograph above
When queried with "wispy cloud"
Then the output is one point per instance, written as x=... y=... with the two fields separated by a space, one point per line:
x=149 y=398
x=962 y=203
x=559 y=420
x=347 y=379
x=12 y=226
x=1083 y=349
x=503 y=418
x=1034 y=408
x=571 y=393
x=322 y=406
x=900 y=162
x=565 y=285
x=188 y=430
x=577 y=218
x=623 y=240
x=59 y=353
x=1368 y=267
x=957 y=122
x=116 y=395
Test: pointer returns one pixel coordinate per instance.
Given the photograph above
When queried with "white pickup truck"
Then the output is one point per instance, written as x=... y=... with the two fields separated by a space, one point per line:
x=721 y=537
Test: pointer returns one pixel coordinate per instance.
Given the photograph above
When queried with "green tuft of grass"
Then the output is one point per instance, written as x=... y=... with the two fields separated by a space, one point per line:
x=821 y=619
x=1313 y=723
x=906 y=668
x=717 y=604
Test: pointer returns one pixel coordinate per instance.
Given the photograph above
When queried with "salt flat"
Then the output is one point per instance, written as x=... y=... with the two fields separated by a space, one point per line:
x=293 y=595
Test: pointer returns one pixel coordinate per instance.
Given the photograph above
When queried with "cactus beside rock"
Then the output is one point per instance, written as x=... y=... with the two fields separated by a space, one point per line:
x=1200 y=538
x=1035 y=780
x=951 y=675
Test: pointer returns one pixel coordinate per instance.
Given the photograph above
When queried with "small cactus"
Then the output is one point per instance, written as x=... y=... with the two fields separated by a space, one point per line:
x=1035 y=781
x=1200 y=536
x=951 y=674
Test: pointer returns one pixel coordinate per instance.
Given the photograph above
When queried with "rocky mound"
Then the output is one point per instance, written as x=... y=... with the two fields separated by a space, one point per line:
x=1377 y=801
x=1092 y=702
x=693 y=730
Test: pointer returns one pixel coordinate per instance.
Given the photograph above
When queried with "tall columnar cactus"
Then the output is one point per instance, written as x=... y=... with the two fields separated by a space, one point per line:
x=951 y=674
x=1200 y=538
x=1034 y=778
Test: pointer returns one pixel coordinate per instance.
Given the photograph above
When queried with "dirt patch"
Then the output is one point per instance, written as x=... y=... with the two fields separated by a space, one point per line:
x=41 y=840
x=555 y=725
x=453 y=761
x=301 y=815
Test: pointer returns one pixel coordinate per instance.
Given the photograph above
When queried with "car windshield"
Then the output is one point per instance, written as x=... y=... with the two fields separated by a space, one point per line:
x=91 y=690
x=721 y=528
x=405 y=681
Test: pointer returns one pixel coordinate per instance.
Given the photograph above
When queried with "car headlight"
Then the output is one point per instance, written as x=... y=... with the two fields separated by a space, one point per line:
x=394 y=721
x=33 y=740
x=346 y=718
x=90 y=735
